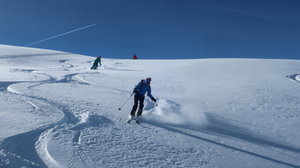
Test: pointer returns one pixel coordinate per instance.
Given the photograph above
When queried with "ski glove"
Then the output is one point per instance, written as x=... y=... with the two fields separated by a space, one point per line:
x=153 y=99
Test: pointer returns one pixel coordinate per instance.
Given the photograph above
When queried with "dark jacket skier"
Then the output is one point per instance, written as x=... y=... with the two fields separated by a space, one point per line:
x=96 y=62
x=139 y=96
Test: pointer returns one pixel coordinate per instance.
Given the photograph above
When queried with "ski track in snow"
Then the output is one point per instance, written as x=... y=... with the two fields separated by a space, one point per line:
x=20 y=145
x=294 y=77
x=36 y=141
x=5 y=85
x=118 y=142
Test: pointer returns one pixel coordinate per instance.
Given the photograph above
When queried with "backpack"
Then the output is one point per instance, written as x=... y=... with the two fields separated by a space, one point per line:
x=142 y=81
x=138 y=89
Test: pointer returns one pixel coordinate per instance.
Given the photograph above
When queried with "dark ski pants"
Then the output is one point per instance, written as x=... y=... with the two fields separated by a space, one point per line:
x=138 y=99
x=95 y=66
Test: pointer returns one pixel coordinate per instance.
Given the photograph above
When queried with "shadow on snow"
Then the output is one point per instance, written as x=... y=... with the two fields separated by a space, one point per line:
x=219 y=127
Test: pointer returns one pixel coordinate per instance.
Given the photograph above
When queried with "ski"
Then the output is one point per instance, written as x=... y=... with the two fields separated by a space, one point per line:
x=131 y=119
x=136 y=119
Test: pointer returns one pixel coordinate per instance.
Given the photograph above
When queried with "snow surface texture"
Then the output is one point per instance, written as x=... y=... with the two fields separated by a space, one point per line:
x=56 y=112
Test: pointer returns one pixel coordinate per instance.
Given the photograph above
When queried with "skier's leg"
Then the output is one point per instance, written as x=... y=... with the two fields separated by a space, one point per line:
x=141 y=106
x=134 y=107
x=94 y=66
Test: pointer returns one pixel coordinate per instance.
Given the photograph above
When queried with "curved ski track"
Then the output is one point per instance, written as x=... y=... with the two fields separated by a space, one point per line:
x=22 y=148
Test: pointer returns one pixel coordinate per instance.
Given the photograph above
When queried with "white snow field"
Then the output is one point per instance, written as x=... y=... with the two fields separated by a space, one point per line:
x=211 y=113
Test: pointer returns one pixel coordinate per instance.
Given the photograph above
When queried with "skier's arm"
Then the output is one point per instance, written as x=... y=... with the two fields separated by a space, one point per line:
x=99 y=61
x=150 y=95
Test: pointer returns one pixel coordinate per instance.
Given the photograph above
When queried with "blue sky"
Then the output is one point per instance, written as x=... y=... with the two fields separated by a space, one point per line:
x=157 y=28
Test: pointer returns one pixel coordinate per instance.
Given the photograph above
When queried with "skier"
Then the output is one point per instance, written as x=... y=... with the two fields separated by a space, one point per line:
x=139 y=96
x=134 y=57
x=96 y=62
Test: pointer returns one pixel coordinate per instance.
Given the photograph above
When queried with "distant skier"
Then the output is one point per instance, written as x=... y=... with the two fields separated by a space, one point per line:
x=139 y=96
x=96 y=62
x=134 y=56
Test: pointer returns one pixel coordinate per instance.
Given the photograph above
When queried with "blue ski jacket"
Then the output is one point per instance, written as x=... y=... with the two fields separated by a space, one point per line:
x=142 y=88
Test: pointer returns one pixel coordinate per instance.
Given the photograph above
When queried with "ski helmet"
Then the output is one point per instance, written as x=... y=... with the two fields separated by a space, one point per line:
x=148 y=80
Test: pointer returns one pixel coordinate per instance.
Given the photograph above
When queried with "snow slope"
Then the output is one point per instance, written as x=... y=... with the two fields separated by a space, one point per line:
x=56 y=112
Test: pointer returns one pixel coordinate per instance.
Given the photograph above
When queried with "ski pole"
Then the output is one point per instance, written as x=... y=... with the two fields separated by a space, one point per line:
x=125 y=101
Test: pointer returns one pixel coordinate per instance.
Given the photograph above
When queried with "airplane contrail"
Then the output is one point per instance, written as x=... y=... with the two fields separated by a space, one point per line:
x=72 y=31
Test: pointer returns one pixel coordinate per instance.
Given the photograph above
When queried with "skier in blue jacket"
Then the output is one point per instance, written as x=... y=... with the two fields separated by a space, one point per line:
x=139 y=96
